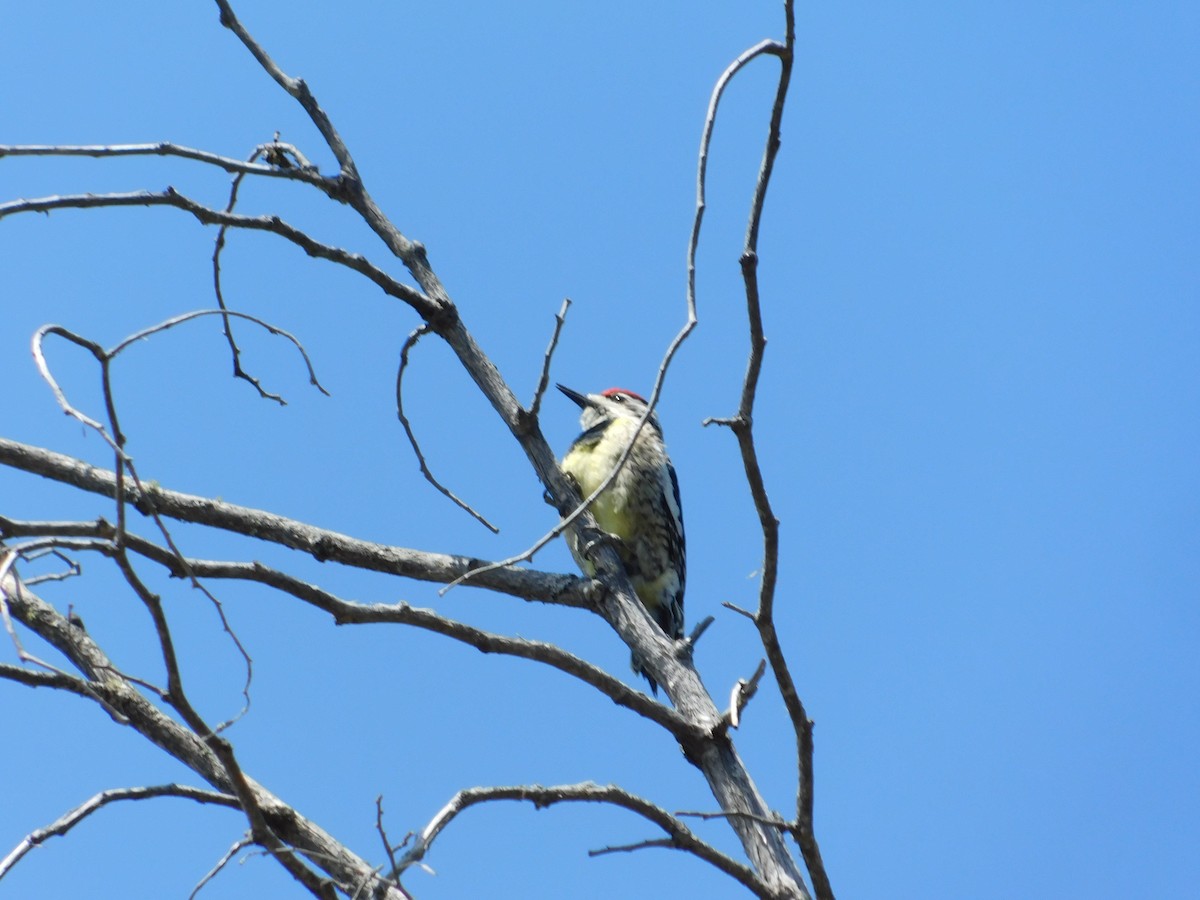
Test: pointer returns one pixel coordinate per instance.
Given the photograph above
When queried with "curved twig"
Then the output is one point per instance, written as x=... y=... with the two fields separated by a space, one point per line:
x=412 y=438
x=679 y=835
x=123 y=463
x=742 y=426
x=72 y=569
x=70 y=819
x=218 y=247
x=198 y=313
x=710 y=120
x=727 y=776
x=424 y=306
x=279 y=156
x=207 y=758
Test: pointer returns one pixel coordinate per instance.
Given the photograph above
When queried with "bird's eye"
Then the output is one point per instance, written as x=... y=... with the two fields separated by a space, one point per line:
x=619 y=398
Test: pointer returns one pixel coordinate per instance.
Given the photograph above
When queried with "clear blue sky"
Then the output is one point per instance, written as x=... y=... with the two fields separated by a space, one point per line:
x=979 y=420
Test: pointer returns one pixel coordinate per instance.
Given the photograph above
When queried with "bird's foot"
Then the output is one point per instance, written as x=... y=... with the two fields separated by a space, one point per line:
x=595 y=537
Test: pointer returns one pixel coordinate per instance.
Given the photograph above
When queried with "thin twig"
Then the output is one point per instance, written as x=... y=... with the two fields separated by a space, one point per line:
x=218 y=248
x=733 y=607
x=70 y=819
x=409 y=343
x=678 y=835
x=387 y=844
x=698 y=631
x=273 y=330
x=238 y=845
x=770 y=821
x=303 y=170
x=742 y=427
x=535 y=407
x=710 y=120
x=426 y=307
x=124 y=463
x=278 y=155
x=73 y=568
x=205 y=757
x=630 y=848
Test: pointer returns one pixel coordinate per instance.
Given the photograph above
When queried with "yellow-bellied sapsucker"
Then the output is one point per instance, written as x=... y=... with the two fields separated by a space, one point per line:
x=640 y=508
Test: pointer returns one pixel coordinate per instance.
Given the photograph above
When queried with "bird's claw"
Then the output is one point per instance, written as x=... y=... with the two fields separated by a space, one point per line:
x=595 y=537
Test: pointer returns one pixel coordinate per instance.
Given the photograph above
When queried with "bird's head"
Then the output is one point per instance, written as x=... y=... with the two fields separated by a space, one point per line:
x=614 y=403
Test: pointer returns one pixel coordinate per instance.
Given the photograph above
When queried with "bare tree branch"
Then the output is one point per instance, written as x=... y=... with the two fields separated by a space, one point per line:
x=679 y=836
x=70 y=819
x=240 y=844
x=209 y=216
x=124 y=463
x=56 y=680
x=72 y=567
x=665 y=843
x=412 y=438
x=772 y=821
x=704 y=741
x=320 y=543
x=710 y=121
x=346 y=612
x=535 y=408
x=742 y=426
x=303 y=171
x=387 y=844
x=210 y=759
x=295 y=87
x=279 y=155
x=8 y=576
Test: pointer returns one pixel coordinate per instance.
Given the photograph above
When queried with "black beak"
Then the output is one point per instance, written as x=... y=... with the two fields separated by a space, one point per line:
x=579 y=398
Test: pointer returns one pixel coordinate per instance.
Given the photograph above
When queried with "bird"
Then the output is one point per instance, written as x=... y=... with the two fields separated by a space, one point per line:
x=640 y=509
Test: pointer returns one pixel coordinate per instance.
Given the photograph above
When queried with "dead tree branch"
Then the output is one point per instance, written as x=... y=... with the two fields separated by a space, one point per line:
x=412 y=438
x=679 y=836
x=293 y=838
x=209 y=216
x=346 y=612
x=275 y=827
x=303 y=171
x=321 y=544
x=70 y=819
x=742 y=426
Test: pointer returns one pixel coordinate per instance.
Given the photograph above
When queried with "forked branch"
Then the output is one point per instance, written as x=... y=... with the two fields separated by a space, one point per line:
x=742 y=426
